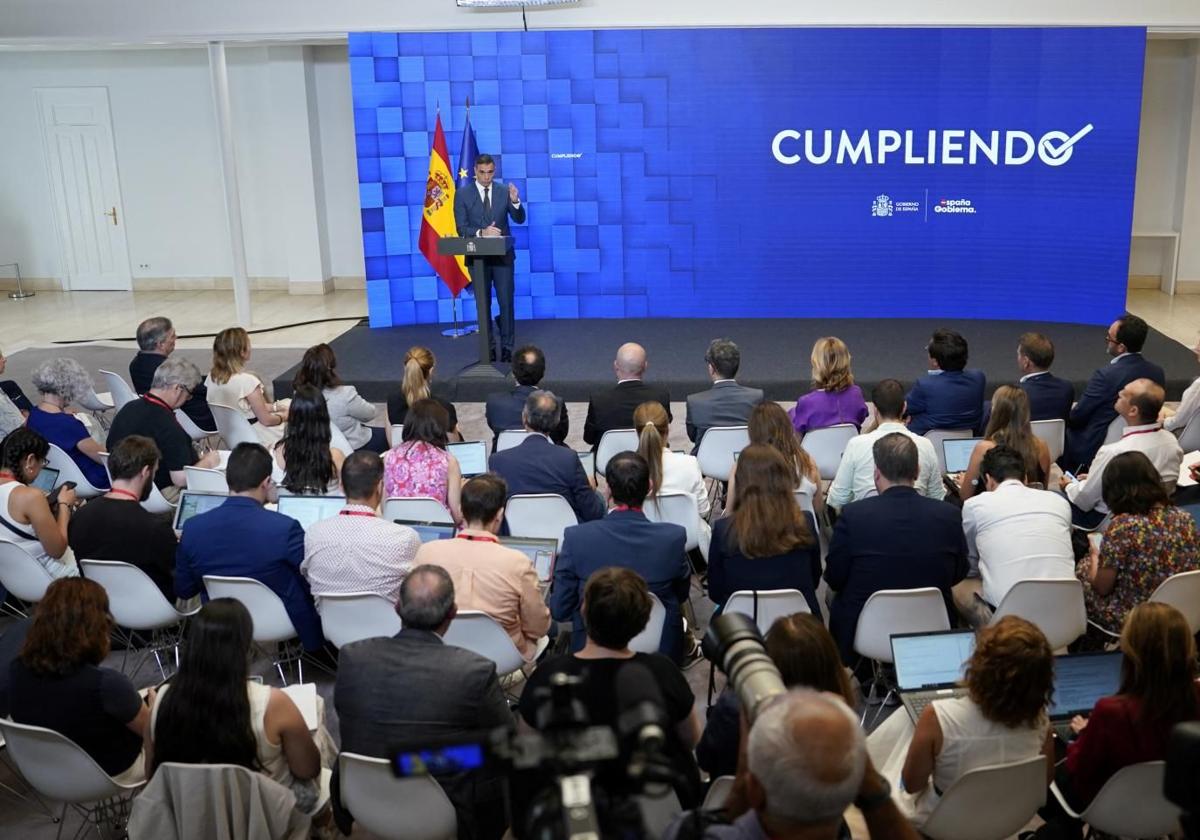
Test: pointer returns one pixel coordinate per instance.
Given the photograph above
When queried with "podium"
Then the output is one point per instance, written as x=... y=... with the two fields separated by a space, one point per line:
x=479 y=246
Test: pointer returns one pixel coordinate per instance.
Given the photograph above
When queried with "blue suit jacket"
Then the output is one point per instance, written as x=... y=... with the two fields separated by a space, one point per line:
x=538 y=466
x=1050 y=397
x=241 y=538
x=504 y=412
x=1090 y=417
x=468 y=210
x=952 y=399
x=899 y=540
x=626 y=538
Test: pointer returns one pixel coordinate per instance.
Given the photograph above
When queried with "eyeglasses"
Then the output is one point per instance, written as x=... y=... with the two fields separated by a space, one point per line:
x=186 y=390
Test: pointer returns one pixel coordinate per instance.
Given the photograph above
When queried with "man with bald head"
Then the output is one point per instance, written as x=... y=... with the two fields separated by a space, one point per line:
x=1139 y=402
x=613 y=409
x=806 y=763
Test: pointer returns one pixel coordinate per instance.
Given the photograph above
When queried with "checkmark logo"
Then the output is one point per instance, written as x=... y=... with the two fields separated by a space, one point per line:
x=1056 y=147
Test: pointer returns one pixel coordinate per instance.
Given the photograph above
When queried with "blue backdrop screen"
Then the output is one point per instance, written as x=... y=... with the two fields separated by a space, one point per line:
x=975 y=173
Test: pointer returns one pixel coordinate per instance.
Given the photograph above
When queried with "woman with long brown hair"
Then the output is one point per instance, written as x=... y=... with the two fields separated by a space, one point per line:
x=1008 y=425
x=770 y=426
x=348 y=411
x=230 y=384
x=417 y=384
x=670 y=472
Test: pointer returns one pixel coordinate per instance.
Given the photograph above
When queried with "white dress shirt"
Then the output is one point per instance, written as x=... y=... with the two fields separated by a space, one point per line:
x=1189 y=404
x=358 y=551
x=855 y=477
x=1016 y=533
x=1159 y=445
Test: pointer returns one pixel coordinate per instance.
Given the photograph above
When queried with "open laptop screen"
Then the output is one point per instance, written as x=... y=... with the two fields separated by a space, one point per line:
x=471 y=455
x=930 y=660
x=1081 y=679
x=539 y=551
x=192 y=502
x=309 y=509
x=958 y=453
x=428 y=531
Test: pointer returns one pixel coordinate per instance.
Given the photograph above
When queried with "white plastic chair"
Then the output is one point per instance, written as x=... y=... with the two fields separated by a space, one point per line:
x=612 y=442
x=233 y=425
x=118 y=388
x=206 y=480
x=679 y=509
x=337 y=440
x=766 y=605
x=989 y=803
x=189 y=426
x=937 y=436
x=415 y=808
x=717 y=448
x=1115 y=429
x=352 y=616
x=479 y=632
x=1055 y=605
x=417 y=509
x=272 y=625
x=137 y=604
x=21 y=574
x=546 y=515
x=395 y=434
x=1189 y=438
x=68 y=470
x=509 y=438
x=96 y=404
x=1182 y=591
x=827 y=445
x=59 y=769
x=718 y=792
x=156 y=502
x=650 y=638
x=1054 y=432
x=1131 y=804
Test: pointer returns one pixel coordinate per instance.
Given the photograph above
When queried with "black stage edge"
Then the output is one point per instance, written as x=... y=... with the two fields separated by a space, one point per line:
x=775 y=353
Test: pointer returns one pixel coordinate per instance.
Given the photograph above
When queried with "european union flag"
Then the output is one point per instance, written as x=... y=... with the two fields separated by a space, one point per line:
x=470 y=151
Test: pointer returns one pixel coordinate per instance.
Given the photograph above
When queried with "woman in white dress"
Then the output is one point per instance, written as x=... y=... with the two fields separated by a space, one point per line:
x=671 y=472
x=230 y=384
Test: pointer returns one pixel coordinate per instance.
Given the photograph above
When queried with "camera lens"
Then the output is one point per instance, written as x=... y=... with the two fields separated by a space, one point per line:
x=734 y=643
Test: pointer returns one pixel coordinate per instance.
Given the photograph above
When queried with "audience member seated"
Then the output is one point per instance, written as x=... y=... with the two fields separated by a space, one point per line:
x=613 y=408
x=230 y=384
x=57 y=680
x=490 y=577
x=770 y=426
x=504 y=409
x=1050 y=397
x=855 y=477
x=806 y=656
x=59 y=383
x=410 y=690
x=12 y=391
x=1174 y=420
x=896 y=540
x=156 y=341
x=1158 y=689
x=10 y=416
x=1090 y=417
x=348 y=411
x=1001 y=719
x=1008 y=426
x=212 y=713
x=153 y=416
x=1148 y=540
x=1139 y=403
x=309 y=461
x=240 y=538
x=764 y=541
x=624 y=538
x=726 y=403
x=116 y=527
x=357 y=551
x=536 y=465
x=419 y=363
x=806 y=763
x=671 y=472
x=834 y=398
x=420 y=464
x=616 y=607
x=27 y=519
x=949 y=396
x=1014 y=533
x=12 y=639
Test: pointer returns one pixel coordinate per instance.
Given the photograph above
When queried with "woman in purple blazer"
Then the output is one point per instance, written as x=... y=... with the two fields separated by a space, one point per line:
x=834 y=398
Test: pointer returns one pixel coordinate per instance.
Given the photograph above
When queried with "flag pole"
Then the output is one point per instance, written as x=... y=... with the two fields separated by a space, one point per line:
x=457 y=331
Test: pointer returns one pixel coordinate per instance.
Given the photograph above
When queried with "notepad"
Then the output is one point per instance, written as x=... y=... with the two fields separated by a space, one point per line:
x=1185 y=469
x=304 y=695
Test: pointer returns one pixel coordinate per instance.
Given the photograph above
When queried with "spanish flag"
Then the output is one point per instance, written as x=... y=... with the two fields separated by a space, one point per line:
x=438 y=217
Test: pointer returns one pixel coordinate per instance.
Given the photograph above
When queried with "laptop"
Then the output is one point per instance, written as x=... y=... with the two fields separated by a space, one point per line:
x=46 y=479
x=1080 y=679
x=930 y=665
x=429 y=531
x=540 y=551
x=192 y=502
x=471 y=455
x=588 y=459
x=309 y=509
x=957 y=454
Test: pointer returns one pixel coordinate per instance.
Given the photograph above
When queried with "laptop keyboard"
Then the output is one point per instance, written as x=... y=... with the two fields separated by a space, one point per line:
x=918 y=704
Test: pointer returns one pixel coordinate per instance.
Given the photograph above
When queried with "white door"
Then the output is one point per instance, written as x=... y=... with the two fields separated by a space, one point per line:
x=82 y=164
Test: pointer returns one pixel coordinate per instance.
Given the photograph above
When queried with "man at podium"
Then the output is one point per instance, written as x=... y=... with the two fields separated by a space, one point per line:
x=485 y=210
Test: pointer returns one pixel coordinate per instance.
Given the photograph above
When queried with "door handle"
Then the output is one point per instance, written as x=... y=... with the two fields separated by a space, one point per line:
x=112 y=214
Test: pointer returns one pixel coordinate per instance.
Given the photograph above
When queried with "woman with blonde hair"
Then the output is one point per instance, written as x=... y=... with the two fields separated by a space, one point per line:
x=769 y=425
x=670 y=472
x=419 y=363
x=834 y=398
x=1009 y=426
x=229 y=384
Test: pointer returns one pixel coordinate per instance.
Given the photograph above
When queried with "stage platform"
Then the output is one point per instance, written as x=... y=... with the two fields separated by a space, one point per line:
x=775 y=353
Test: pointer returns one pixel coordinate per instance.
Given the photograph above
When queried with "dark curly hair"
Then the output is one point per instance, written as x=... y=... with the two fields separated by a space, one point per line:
x=309 y=463
x=318 y=368
x=1011 y=674
x=70 y=628
x=19 y=445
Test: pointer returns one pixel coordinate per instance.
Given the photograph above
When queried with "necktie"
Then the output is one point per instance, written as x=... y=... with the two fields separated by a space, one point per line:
x=487 y=205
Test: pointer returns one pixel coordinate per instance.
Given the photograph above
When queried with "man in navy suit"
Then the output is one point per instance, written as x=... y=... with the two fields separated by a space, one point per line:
x=1088 y=422
x=1050 y=397
x=896 y=540
x=504 y=410
x=538 y=466
x=484 y=209
x=242 y=539
x=626 y=538
x=949 y=397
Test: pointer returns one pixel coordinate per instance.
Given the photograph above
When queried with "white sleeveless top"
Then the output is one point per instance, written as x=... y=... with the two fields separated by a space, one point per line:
x=22 y=535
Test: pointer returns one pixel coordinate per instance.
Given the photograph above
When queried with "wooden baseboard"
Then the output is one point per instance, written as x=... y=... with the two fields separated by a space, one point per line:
x=1144 y=281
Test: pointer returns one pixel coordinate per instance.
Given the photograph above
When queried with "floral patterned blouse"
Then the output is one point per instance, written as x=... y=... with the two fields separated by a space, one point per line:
x=1144 y=550
x=417 y=468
